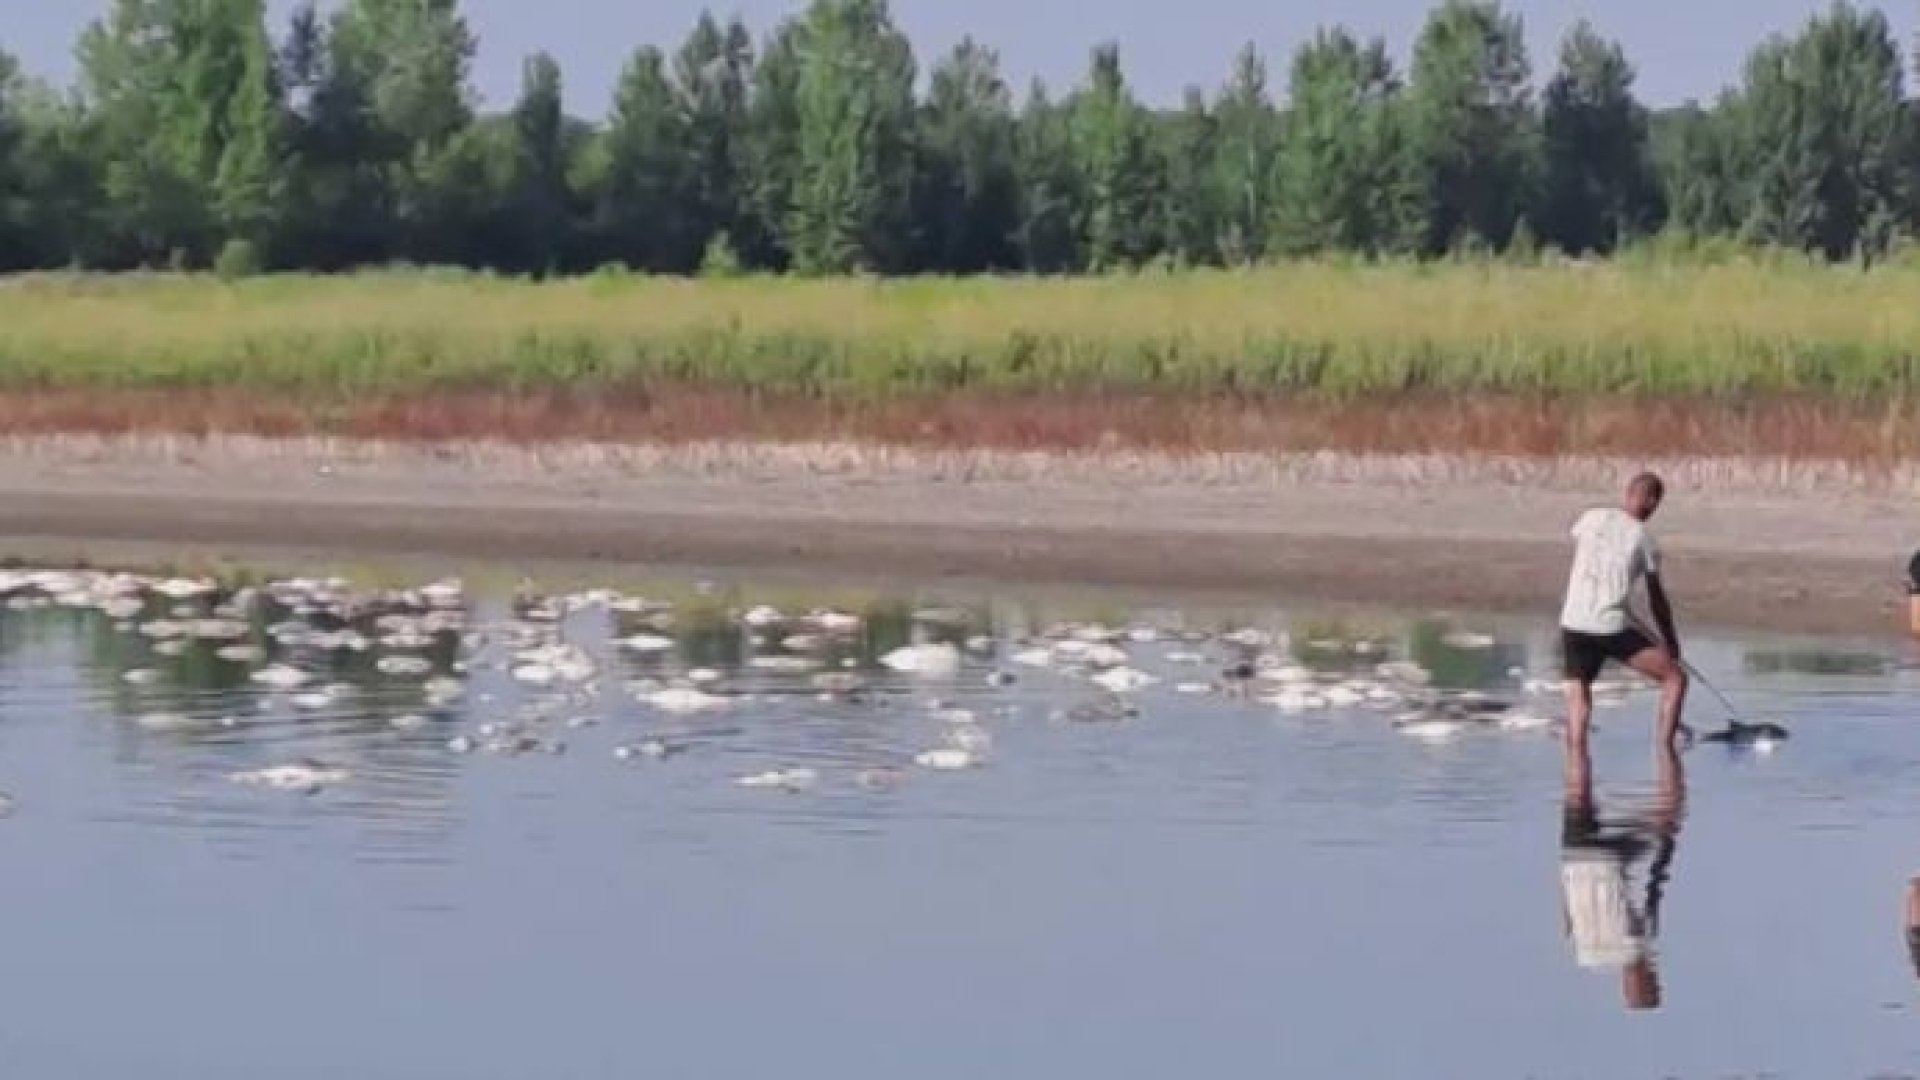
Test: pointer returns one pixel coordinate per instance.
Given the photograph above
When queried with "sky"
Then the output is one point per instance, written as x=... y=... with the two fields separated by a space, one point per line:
x=1683 y=48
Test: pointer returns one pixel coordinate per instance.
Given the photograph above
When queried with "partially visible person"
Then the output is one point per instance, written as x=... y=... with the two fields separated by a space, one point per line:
x=1613 y=552
x=1606 y=928
x=1913 y=595
x=1912 y=923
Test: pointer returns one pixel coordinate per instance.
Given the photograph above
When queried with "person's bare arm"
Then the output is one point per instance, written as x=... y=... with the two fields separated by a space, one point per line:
x=1663 y=614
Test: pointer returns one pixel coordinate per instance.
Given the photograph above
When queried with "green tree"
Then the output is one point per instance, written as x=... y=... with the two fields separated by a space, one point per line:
x=15 y=223
x=1345 y=175
x=337 y=211
x=1189 y=213
x=1473 y=123
x=541 y=206
x=1696 y=159
x=249 y=177
x=773 y=145
x=855 y=151
x=1245 y=145
x=1114 y=161
x=403 y=66
x=1599 y=185
x=966 y=202
x=186 y=114
x=712 y=75
x=643 y=194
x=1821 y=125
x=58 y=210
x=1050 y=193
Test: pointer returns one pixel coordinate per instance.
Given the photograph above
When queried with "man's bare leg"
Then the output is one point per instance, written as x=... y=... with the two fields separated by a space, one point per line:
x=1659 y=665
x=1579 y=714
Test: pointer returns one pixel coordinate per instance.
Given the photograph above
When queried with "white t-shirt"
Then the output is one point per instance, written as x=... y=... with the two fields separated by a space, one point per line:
x=1600 y=920
x=1612 y=551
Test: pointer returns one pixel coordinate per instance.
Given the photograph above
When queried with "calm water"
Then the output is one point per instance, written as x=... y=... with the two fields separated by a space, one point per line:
x=1212 y=887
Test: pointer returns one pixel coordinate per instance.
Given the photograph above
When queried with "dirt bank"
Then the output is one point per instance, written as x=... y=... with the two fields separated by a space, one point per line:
x=1750 y=546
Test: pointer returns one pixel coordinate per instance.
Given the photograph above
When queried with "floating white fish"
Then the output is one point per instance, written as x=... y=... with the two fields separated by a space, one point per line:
x=122 y=607
x=175 y=722
x=408 y=722
x=798 y=779
x=1033 y=657
x=308 y=776
x=183 y=588
x=934 y=659
x=946 y=758
x=1466 y=639
x=657 y=749
x=646 y=643
x=1294 y=700
x=239 y=654
x=1434 y=730
x=443 y=690
x=835 y=622
x=403 y=665
x=447 y=593
x=535 y=674
x=1341 y=697
x=784 y=663
x=141 y=677
x=406 y=640
x=763 y=616
x=685 y=700
x=281 y=677
x=1403 y=671
x=1288 y=674
x=1123 y=680
x=973 y=739
x=217 y=629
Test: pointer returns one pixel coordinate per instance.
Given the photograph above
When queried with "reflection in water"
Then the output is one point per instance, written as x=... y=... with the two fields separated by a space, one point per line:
x=1278 y=791
x=1597 y=855
x=1813 y=662
x=1912 y=922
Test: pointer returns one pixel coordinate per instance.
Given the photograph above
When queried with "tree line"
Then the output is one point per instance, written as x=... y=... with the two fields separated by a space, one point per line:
x=199 y=136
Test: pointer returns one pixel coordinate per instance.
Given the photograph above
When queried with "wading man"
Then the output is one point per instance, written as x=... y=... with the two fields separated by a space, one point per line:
x=1614 y=551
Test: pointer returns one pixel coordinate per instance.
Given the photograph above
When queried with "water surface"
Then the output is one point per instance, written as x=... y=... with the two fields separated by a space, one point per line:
x=1211 y=887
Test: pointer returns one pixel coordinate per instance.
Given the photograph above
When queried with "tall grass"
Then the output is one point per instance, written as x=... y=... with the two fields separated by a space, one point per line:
x=1736 y=331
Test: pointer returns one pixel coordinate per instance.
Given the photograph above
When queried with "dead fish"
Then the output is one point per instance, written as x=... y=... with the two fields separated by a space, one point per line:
x=306 y=776
x=1760 y=734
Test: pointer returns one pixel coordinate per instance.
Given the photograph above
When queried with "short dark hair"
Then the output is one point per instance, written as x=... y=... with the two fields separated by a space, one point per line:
x=1649 y=483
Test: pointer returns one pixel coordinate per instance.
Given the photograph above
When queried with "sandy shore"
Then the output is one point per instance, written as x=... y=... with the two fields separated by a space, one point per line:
x=1789 y=548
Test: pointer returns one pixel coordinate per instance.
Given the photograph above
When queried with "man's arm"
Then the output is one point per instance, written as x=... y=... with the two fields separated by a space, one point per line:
x=1663 y=614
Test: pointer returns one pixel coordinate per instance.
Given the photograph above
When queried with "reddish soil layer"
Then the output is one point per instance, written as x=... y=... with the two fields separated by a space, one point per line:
x=1509 y=426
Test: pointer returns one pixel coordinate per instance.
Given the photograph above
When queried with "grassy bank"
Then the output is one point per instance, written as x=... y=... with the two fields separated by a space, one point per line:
x=1731 y=330
x=1745 y=357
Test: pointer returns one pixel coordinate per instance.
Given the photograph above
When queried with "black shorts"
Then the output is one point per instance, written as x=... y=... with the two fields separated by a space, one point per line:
x=1913 y=575
x=1583 y=655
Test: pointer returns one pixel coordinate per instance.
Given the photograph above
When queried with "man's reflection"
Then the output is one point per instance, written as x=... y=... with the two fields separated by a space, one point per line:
x=1606 y=927
x=1912 y=923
